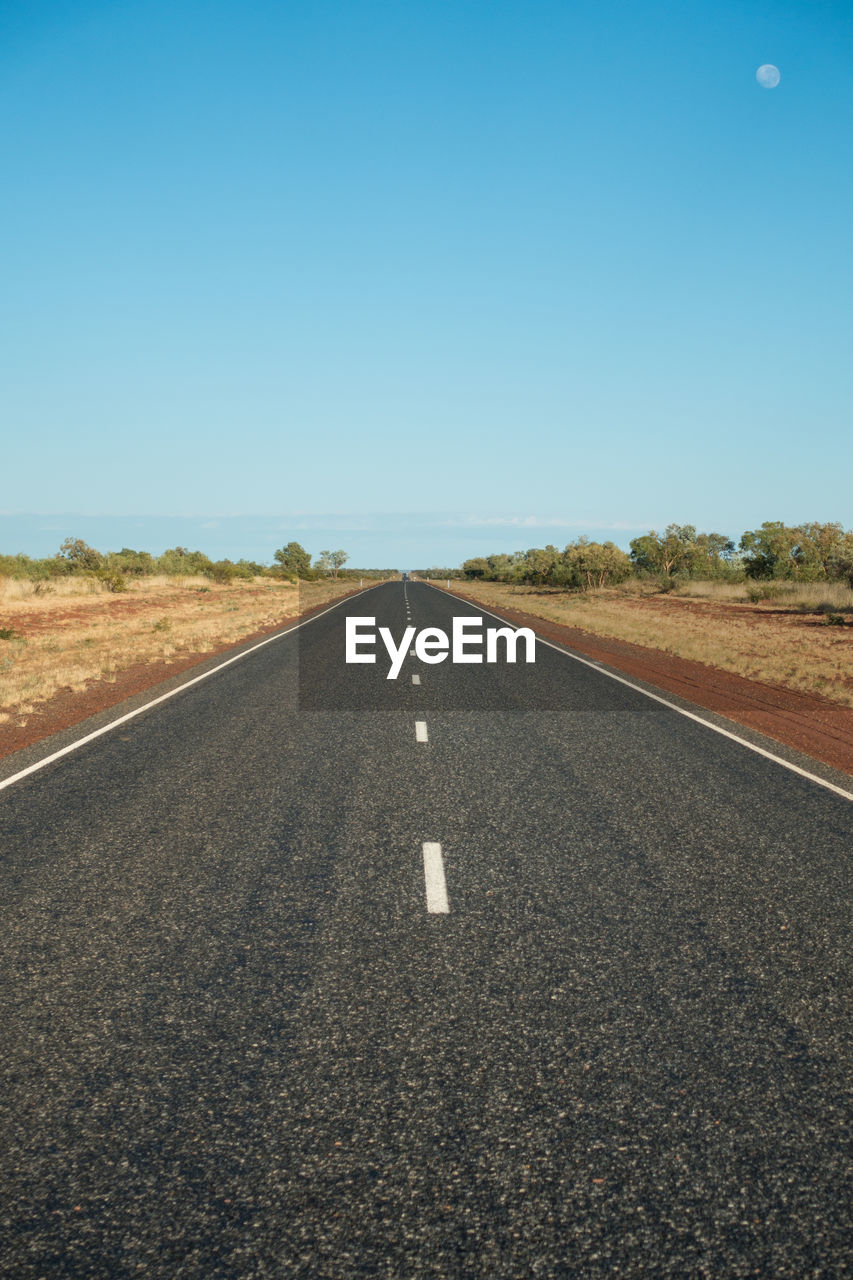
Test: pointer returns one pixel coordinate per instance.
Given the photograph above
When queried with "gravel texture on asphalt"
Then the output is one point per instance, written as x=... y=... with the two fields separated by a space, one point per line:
x=235 y=1043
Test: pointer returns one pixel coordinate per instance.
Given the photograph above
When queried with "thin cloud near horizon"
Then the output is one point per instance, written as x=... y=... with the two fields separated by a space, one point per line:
x=543 y=522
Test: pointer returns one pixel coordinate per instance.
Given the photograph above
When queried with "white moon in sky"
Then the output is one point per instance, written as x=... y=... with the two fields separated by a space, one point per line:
x=768 y=76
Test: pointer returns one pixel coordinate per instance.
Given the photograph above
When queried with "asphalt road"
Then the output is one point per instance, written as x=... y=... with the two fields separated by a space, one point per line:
x=236 y=1042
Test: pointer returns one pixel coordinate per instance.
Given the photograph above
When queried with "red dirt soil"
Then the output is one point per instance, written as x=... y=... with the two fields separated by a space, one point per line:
x=32 y=621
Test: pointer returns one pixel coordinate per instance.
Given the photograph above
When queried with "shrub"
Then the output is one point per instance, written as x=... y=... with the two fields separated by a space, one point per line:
x=179 y=562
x=223 y=571
x=763 y=590
x=112 y=579
x=127 y=561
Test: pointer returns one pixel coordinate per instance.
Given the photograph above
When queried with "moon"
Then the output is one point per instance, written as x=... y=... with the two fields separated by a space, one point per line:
x=768 y=76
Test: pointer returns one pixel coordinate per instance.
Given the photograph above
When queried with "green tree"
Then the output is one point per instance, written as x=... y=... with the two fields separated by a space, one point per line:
x=134 y=563
x=769 y=551
x=337 y=560
x=815 y=552
x=809 y=551
x=714 y=556
x=645 y=553
x=181 y=562
x=500 y=566
x=79 y=557
x=680 y=550
x=595 y=564
x=840 y=561
x=478 y=567
x=677 y=548
x=225 y=571
x=540 y=565
x=293 y=559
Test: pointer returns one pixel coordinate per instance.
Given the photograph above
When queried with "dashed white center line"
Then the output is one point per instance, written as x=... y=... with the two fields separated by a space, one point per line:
x=412 y=653
x=421 y=731
x=436 y=885
x=416 y=679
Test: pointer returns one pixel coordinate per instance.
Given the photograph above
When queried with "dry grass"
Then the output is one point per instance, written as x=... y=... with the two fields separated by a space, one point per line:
x=804 y=597
x=783 y=641
x=78 y=633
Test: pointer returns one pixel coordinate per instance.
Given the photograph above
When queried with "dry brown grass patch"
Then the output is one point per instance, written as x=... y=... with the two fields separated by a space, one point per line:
x=784 y=641
x=76 y=635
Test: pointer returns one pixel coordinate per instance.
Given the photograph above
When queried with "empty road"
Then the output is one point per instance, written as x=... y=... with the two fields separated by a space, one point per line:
x=486 y=971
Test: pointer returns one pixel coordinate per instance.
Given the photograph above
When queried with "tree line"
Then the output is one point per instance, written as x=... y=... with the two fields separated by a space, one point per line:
x=114 y=569
x=810 y=552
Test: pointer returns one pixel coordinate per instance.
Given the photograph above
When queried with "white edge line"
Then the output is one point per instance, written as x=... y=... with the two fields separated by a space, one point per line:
x=690 y=715
x=130 y=715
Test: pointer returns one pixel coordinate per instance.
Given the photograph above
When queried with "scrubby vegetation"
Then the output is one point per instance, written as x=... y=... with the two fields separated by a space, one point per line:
x=774 y=553
x=114 y=571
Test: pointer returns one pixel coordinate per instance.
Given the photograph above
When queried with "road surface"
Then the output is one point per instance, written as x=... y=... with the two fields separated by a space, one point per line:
x=554 y=985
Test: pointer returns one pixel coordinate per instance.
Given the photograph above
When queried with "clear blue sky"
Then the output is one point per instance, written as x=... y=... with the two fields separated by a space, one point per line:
x=473 y=275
